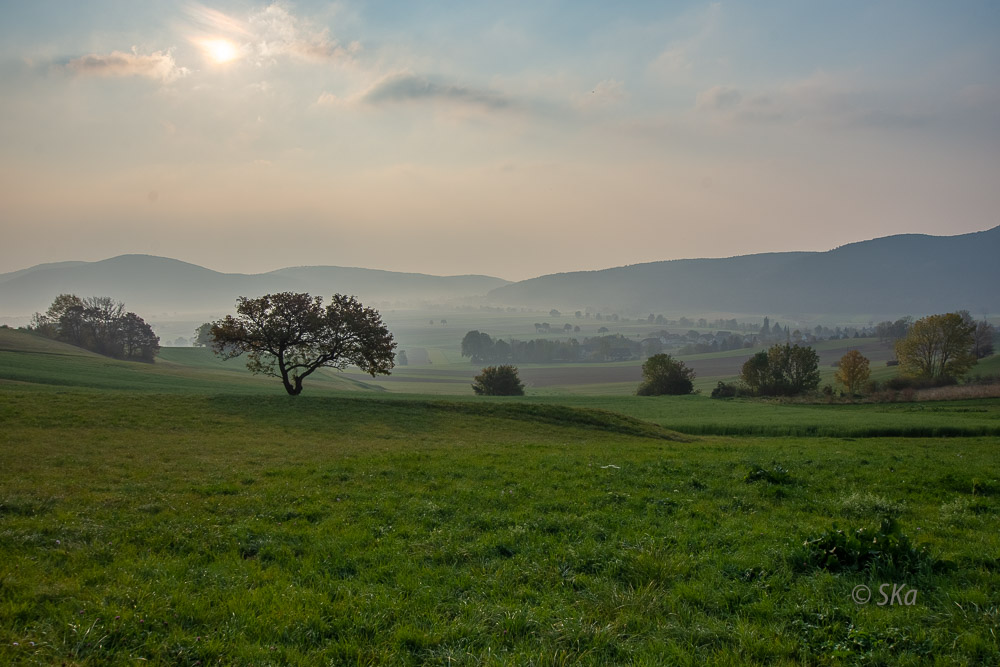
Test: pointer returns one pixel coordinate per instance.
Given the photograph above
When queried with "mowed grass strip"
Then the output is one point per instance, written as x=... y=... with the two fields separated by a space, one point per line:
x=269 y=530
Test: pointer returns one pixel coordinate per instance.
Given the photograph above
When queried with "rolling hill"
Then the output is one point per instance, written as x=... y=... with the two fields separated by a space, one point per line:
x=905 y=274
x=157 y=285
x=29 y=361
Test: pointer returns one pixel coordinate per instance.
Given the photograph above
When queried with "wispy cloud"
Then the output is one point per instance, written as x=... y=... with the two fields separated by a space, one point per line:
x=214 y=21
x=277 y=32
x=268 y=35
x=157 y=65
x=676 y=61
x=821 y=100
x=604 y=94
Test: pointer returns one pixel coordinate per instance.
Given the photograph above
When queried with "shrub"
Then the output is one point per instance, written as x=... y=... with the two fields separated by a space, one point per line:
x=726 y=390
x=903 y=382
x=865 y=505
x=776 y=475
x=498 y=381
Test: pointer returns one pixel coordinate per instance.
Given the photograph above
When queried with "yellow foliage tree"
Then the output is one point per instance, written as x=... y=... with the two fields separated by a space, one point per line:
x=937 y=346
x=853 y=371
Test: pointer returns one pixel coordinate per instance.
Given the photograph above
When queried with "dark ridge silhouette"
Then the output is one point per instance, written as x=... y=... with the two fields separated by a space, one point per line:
x=905 y=274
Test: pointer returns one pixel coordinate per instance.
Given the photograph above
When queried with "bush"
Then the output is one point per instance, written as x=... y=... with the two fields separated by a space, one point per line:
x=777 y=474
x=726 y=390
x=904 y=382
x=498 y=381
x=662 y=374
x=885 y=549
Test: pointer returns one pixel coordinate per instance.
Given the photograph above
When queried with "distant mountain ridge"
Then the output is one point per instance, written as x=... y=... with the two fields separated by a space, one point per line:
x=156 y=285
x=904 y=274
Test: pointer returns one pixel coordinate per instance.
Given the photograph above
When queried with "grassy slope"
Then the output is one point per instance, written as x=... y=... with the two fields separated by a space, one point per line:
x=30 y=359
x=181 y=529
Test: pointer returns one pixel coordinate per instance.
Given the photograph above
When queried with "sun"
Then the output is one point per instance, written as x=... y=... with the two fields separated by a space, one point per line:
x=220 y=50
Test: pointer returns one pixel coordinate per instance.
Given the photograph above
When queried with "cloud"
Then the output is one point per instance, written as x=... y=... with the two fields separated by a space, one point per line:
x=330 y=100
x=277 y=32
x=269 y=35
x=606 y=93
x=215 y=21
x=677 y=60
x=821 y=100
x=403 y=88
x=157 y=65
x=717 y=98
x=671 y=62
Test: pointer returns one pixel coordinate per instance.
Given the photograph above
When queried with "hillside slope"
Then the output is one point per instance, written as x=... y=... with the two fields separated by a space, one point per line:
x=32 y=361
x=906 y=274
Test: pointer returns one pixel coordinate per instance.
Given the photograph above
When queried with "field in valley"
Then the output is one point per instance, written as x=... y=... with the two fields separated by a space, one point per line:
x=189 y=513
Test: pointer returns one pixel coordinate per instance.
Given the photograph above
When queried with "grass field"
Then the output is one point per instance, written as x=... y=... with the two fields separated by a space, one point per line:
x=199 y=516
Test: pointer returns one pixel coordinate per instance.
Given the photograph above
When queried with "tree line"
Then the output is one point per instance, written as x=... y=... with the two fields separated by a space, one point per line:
x=99 y=324
x=480 y=347
x=934 y=349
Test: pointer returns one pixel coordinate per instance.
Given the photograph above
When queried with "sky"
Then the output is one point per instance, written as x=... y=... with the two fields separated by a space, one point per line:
x=511 y=139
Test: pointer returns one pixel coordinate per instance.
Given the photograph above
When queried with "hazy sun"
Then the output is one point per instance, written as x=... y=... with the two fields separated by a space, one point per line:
x=220 y=50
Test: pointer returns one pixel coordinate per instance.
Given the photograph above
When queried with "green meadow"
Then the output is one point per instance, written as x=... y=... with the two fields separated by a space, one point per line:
x=190 y=513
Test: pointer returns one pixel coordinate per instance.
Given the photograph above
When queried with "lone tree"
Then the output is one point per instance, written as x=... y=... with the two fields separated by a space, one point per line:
x=938 y=346
x=498 y=381
x=289 y=335
x=853 y=370
x=662 y=374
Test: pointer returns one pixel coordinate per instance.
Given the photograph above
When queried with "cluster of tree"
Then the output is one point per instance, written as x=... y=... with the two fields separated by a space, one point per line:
x=99 y=324
x=498 y=381
x=782 y=370
x=291 y=335
x=664 y=375
x=480 y=347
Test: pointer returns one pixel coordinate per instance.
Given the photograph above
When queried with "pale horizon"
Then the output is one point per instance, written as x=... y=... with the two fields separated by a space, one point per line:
x=254 y=271
x=250 y=136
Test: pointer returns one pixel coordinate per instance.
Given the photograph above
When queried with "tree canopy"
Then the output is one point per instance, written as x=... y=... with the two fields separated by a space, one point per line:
x=938 y=346
x=784 y=370
x=662 y=374
x=498 y=381
x=203 y=335
x=290 y=335
x=853 y=370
